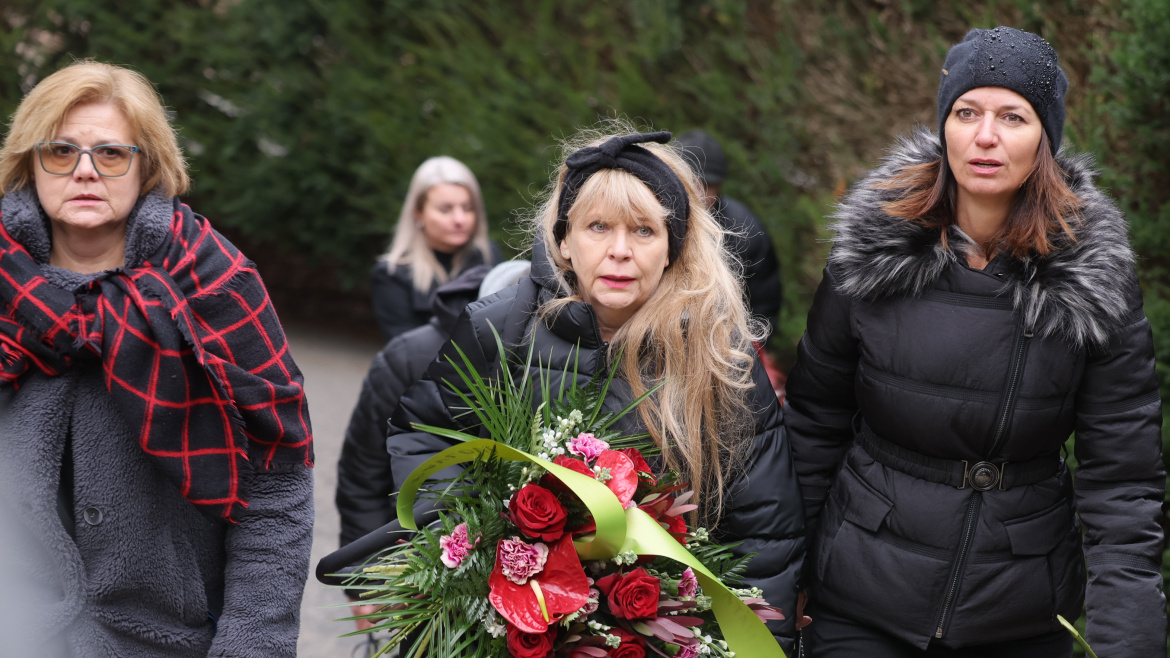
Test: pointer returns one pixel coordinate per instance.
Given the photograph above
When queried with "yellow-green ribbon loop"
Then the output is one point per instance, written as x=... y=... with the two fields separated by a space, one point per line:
x=618 y=531
x=606 y=509
x=745 y=634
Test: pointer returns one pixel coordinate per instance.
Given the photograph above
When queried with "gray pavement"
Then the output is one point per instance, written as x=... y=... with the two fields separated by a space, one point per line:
x=334 y=367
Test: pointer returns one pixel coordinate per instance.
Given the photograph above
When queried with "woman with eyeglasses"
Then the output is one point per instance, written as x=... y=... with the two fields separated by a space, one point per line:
x=442 y=231
x=154 y=435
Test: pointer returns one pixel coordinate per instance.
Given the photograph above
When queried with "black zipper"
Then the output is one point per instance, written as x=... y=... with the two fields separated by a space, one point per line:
x=1019 y=351
x=1009 y=401
x=973 y=505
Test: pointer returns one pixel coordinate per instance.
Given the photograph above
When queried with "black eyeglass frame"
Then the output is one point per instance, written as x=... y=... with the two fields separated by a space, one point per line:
x=40 y=147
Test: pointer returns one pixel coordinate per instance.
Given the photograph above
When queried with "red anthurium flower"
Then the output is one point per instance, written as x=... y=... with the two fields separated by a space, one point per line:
x=562 y=584
x=640 y=465
x=623 y=480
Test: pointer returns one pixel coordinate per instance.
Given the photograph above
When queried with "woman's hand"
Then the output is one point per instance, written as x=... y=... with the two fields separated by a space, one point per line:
x=361 y=609
x=801 y=602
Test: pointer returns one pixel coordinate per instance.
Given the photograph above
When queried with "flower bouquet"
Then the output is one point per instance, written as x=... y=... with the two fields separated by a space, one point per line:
x=558 y=539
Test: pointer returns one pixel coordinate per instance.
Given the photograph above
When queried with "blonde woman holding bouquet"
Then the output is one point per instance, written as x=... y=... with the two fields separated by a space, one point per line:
x=628 y=264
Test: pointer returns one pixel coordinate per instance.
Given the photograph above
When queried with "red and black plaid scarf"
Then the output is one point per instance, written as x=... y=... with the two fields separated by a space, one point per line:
x=191 y=348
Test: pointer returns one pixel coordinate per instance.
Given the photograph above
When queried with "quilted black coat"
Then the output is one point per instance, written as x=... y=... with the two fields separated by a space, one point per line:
x=399 y=306
x=364 y=486
x=750 y=242
x=998 y=364
x=763 y=506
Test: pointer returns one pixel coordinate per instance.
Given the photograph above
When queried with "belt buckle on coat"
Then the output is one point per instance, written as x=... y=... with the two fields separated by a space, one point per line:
x=983 y=476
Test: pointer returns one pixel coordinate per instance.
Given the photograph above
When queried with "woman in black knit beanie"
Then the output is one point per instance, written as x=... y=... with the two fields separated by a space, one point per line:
x=979 y=306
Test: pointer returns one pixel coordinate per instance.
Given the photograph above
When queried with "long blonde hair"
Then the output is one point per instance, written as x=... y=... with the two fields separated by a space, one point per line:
x=693 y=335
x=410 y=248
x=41 y=113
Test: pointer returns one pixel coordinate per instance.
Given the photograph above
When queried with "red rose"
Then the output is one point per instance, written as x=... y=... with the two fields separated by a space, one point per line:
x=553 y=482
x=537 y=513
x=633 y=595
x=632 y=646
x=529 y=645
x=640 y=465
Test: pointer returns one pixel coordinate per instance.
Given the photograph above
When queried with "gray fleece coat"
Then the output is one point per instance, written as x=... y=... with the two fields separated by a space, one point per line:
x=144 y=573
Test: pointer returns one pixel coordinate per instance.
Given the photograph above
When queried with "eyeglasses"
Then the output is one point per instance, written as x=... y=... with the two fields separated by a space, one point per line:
x=62 y=158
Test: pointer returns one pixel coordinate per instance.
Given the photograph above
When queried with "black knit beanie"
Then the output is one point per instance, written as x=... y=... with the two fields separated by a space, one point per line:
x=1009 y=58
x=705 y=156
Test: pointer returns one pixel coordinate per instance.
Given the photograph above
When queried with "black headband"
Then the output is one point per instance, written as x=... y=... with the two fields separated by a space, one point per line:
x=624 y=153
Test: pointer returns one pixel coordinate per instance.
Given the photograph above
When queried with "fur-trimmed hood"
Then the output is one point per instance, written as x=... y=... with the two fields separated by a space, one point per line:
x=1082 y=291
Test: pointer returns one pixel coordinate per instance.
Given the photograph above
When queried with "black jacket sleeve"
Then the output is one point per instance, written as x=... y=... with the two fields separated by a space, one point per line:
x=364 y=480
x=398 y=308
x=821 y=401
x=433 y=400
x=761 y=269
x=1120 y=483
x=763 y=512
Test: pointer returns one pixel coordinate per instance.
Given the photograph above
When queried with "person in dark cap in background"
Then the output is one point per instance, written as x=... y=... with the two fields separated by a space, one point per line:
x=980 y=304
x=747 y=238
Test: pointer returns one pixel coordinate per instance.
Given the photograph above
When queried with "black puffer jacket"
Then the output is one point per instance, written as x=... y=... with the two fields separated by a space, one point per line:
x=962 y=364
x=364 y=484
x=764 y=510
x=399 y=306
x=753 y=246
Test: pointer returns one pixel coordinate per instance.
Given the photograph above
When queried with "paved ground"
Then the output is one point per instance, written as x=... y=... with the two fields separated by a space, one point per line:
x=333 y=367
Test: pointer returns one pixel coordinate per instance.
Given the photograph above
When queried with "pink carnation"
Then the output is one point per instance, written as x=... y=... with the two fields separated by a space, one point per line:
x=688 y=651
x=455 y=546
x=587 y=446
x=688 y=587
x=520 y=561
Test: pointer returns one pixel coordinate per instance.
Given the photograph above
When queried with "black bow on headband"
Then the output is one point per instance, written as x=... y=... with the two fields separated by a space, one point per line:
x=624 y=153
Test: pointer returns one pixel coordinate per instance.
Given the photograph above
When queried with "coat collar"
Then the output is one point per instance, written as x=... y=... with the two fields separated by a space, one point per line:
x=146 y=229
x=576 y=322
x=1082 y=291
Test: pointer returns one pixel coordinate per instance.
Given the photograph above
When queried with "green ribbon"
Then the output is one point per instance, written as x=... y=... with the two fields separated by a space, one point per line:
x=618 y=531
x=1077 y=636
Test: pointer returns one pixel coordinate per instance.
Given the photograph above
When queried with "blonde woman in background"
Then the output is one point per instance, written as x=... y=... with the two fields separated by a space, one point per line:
x=628 y=261
x=442 y=231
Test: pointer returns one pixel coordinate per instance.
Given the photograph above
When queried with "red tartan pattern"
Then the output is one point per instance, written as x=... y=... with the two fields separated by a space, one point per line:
x=192 y=352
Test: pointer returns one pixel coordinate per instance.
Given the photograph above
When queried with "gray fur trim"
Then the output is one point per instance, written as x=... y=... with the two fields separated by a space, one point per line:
x=1082 y=291
x=146 y=229
x=25 y=221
